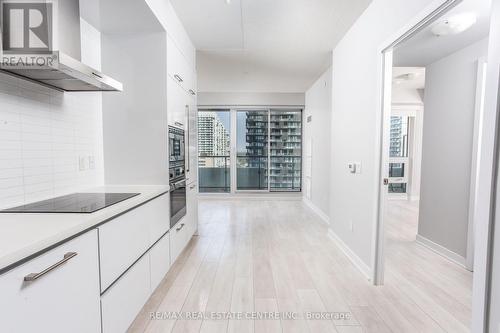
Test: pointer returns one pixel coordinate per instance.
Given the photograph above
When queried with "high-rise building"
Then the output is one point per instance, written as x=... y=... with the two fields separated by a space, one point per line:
x=285 y=139
x=213 y=140
x=398 y=136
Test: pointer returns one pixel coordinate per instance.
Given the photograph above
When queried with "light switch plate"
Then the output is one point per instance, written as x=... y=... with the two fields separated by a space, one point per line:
x=82 y=163
x=358 y=167
x=91 y=162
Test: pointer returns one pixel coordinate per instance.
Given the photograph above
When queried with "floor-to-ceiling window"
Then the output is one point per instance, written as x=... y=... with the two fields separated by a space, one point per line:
x=285 y=167
x=398 y=152
x=214 y=133
x=266 y=150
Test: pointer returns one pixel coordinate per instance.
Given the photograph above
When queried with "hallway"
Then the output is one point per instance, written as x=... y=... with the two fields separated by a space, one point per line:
x=269 y=256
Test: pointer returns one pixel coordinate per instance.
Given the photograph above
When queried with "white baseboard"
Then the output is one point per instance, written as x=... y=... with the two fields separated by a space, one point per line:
x=441 y=250
x=247 y=196
x=316 y=210
x=353 y=257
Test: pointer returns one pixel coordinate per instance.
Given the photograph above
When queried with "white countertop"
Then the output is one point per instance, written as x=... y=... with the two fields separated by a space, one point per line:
x=25 y=234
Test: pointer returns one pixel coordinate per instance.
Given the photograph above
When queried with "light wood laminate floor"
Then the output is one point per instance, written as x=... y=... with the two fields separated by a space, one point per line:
x=268 y=256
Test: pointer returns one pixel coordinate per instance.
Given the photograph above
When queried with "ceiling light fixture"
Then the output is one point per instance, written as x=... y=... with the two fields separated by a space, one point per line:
x=454 y=24
x=228 y=2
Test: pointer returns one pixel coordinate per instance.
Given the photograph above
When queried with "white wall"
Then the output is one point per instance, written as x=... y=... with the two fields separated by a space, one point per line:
x=447 y=147
x=354 y=120
x=44 y=132
x=135 y=120
x=166 y=15
x=402 y=95
x=316 y=143
x=247 y=98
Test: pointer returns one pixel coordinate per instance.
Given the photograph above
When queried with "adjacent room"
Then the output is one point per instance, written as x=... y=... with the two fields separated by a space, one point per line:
x=437 y=101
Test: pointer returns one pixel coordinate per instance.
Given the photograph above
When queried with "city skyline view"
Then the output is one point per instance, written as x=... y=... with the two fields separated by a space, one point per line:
x=268 y=149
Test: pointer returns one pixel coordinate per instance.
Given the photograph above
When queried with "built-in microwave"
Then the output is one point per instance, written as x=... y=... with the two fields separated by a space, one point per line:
x=176 y=144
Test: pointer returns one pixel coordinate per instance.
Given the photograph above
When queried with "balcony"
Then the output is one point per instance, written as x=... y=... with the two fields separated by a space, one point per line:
x=214 y=175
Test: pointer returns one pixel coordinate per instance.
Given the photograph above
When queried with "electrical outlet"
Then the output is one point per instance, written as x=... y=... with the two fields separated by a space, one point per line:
x=91 y=162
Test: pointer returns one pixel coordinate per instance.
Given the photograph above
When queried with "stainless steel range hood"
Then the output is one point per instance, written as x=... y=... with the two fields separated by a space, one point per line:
x=62 y=69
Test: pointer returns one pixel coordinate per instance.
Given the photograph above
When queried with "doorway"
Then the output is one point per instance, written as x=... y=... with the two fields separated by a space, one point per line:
x=437 y=225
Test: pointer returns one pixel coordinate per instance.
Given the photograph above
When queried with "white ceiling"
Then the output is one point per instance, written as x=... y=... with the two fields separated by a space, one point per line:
x=263 y=45
x=425 y=48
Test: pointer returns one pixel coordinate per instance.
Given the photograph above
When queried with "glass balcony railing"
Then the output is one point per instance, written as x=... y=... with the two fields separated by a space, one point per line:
x=251 y=172
x=214 y=175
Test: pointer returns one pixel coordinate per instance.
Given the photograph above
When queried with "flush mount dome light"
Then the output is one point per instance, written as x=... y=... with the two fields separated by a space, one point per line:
x=454 y=24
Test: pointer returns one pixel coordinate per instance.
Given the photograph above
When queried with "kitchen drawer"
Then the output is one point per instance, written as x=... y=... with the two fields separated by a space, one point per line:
x=122 y=302
x=160 y=221
x=178 y=239
x=65 y=299
x=124 y=239
x=160 y=260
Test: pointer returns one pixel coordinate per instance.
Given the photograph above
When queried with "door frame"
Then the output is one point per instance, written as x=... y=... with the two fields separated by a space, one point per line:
x=476 y=151
x=488 y=133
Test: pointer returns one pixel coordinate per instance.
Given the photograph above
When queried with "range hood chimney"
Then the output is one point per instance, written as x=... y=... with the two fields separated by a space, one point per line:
x=61 y=68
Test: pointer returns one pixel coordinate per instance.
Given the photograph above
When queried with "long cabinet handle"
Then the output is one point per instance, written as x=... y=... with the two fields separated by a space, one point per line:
x=178 y=78
x=192 y=92
x=179 y=228
x=192 y=187
x=34 y=276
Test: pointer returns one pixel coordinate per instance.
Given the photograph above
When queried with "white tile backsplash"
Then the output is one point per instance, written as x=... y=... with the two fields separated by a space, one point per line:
x=43 y=133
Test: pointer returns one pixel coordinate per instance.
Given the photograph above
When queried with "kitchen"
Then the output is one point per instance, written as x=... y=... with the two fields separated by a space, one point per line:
x=218 y=166
x=91 y=221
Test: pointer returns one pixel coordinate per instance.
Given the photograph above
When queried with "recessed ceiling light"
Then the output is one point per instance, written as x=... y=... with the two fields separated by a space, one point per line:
x=454 y=24
x=228 y=2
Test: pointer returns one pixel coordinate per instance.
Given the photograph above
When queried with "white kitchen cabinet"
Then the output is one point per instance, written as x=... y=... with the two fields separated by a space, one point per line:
x=181 y=234
x=177 y=66
x=176 y=104
x=160 y=260
x=122 y=302
x=192 y=209
x=125 y=238
x=192 y=144
x=65 y=299
x=160 y=217
x=178 y=239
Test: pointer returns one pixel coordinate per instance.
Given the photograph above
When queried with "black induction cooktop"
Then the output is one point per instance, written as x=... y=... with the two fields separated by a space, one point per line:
x=73 y=203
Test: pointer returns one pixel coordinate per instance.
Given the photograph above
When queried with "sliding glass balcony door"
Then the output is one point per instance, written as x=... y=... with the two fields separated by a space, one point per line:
x=256 y=150
x=214 y=160
x=252 y=162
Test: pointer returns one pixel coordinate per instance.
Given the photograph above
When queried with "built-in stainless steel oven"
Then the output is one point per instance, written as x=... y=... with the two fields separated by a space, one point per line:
x=177 y=174
x=177 y=201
